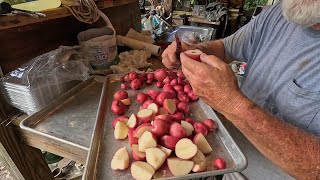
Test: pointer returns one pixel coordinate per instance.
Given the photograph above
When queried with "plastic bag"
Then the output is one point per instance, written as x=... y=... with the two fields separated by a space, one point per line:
x=41 y=80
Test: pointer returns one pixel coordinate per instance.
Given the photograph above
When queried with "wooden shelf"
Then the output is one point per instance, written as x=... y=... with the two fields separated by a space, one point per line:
x=7 y=22
x=202 y=20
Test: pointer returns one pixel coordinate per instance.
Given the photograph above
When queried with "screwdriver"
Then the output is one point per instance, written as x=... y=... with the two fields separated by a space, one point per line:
x=6 y=8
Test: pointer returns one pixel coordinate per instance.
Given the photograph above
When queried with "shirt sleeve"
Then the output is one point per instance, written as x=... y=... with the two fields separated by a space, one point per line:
x=239 y=45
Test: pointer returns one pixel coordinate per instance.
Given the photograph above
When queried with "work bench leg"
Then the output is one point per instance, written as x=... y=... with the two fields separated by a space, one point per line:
x=25 y=162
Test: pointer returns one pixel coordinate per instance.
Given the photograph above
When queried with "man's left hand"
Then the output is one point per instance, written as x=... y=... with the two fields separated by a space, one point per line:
x=213 y=81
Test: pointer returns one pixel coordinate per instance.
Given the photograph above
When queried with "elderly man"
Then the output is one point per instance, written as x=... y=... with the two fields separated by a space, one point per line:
x=278 y=105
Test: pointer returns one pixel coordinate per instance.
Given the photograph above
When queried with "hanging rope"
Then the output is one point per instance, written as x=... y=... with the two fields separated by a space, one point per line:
x=86 y=12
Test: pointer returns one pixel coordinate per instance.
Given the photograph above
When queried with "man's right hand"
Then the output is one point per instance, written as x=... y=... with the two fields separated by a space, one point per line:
x=169 y=57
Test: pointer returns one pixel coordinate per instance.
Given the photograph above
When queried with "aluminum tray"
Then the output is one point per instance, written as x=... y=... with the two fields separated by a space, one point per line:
x=103 y=145
x=67 y=123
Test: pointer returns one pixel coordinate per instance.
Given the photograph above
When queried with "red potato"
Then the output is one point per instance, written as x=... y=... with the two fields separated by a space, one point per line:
x=135 y=84
x=174 y=82
x=149 y=81
x=144 y=75
x=192 y=96
x=147 y=103
x=162 y=111
x=173 y=74
x=120 y=118
x=176 y=130
x=171 y=94
x=211 y=124
x=160 y=74
x=167 y=87
x=147 y=140
x=170 y=106
x=189 y=120
x=132 y=75
x=155 y=157
x=145 y=115
x=164 y=117
x=150 y=76
x=201 y=142
x=181 y=81
x=160 y=128
x=185 y=149
x=179 y=167
x=178 y=88
x=183 y=97
x=165 y=150
x=136 y=154
x=220 y=163
x=177 y=117
x=132 y=139
x=183 y=107
x=142 y=171
x=154 y=107
x=124 y=86
x=200 y=162
x=117 y=107
x=188 y=127
x=121 y=130
x=133 y=121
x=176 y=101
x=199 y=127
x=120 y=160
x=194 y=54
x=162 y=96
x=126 y=101
x=159 y=84
x=153 y=93
x=180 y=74
x=187 y=88
x=126 y=78
x=167 y=80
x=142 y=97
x=169 y=141
x=141 y=78
x=121 y=94
x=141 y=129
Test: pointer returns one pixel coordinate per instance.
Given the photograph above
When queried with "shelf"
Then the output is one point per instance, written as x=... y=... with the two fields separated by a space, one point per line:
x=7 y=22
x=202 y=20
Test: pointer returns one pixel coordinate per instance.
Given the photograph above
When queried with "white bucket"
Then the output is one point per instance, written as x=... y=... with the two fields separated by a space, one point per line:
x=99 y=44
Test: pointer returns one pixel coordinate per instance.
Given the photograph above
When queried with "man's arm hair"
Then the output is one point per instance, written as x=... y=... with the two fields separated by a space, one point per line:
x=294 y=150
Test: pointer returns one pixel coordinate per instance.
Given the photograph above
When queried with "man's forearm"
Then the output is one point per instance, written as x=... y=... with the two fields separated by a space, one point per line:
x=294 y=150
x=215 y=48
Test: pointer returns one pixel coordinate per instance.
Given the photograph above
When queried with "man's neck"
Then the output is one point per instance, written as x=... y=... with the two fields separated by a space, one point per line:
x=316 y=27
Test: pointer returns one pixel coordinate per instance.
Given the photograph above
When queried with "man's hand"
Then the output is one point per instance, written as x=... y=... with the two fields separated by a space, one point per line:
x=213 y=81
x=169 y=57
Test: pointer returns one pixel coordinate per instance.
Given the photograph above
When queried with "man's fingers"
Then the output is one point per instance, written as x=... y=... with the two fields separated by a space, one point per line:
x=211 y=60
x=189 y=63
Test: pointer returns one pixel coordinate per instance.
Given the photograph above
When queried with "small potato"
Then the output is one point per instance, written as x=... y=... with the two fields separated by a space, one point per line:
x=167 y=80
x=177 y=117
x=199 y=127
x=183 y=107
x=132 y=75
x=153 y=93
x=135 y=84
x=187 y=88
x=147 y=103
x=124 y=86
x=183 y=97
x=120 y=95
x=160 y=74
x=150 y=76
x=178 y=88
x=142 y=97
x=159 y=84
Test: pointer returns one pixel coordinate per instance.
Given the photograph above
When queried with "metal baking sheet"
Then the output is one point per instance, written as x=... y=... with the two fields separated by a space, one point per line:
x=68 y=121
x=104 y=145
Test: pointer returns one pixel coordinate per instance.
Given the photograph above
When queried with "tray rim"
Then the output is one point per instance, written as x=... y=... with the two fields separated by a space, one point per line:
x=90 y=169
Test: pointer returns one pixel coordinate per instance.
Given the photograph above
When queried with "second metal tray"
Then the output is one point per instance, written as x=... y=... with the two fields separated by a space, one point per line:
x=103 y=145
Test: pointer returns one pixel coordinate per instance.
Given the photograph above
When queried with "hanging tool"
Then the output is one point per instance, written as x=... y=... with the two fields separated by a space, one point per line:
x=5 y=8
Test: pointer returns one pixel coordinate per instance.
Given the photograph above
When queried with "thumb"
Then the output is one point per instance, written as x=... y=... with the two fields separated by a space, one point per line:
x=212 y=61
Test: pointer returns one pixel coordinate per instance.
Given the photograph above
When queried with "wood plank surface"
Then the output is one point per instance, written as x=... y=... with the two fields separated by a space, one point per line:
x=28 y=161
x=21 y=44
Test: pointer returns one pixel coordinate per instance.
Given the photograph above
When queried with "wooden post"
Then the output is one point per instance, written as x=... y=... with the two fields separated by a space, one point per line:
x=23 y=161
